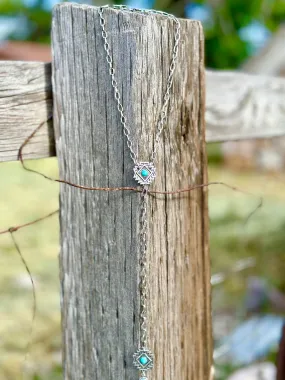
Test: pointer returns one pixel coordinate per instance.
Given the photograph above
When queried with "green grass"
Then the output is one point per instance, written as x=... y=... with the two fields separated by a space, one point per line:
x=234 y=236
x=26 y=196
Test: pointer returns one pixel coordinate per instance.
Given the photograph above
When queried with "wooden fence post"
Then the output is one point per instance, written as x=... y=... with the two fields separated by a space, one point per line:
x=99 y=260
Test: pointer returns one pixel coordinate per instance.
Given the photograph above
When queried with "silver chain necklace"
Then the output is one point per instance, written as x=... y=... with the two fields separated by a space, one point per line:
x=144 y=174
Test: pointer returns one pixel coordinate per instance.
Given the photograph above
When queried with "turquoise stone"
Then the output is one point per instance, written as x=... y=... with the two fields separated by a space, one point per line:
x=143 y=360
x=144 y=173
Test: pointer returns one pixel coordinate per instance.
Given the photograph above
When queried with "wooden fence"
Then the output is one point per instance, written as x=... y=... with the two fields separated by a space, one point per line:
x=238 y=107
x=98 y=259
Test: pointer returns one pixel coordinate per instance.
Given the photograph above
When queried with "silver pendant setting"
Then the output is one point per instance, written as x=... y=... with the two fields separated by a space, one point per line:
x=143 y=359
x=144 y=173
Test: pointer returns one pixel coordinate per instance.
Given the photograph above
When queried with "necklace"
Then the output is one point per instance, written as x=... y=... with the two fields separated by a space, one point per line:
x=144 y=174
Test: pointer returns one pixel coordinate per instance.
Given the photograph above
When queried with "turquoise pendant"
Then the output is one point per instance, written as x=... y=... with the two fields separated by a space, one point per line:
x=143 y=359
x=144 y=173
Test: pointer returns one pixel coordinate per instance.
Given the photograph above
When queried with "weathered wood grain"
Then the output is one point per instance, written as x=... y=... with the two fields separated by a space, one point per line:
x=239 y=106
x=99 y=261
x=25 y=102
x=242 y=106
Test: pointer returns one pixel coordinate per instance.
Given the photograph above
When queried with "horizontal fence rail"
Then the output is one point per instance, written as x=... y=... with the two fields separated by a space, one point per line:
x=239 y=106
x=25 y=102
x=243 y=106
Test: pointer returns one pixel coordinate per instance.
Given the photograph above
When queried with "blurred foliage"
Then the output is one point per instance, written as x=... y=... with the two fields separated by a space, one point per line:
x=223 y=371
x=37 y=17
x=55 y=374
x=224 y=46
x=215 y=154
x=240 y=229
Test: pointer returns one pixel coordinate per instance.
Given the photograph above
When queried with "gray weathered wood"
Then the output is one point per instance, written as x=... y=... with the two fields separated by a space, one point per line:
x=242 y=106
x=25 y=102
x=239 y=106
x=99 y=261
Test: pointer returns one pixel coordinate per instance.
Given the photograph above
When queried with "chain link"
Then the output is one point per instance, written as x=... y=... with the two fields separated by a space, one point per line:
x=163 y=114
x=144 y=285
x=143 y=234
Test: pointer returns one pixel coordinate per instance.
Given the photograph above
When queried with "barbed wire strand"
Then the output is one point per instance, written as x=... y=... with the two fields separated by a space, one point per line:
x=16 y=228
x=135 y=189
x=11 y=231
x=34 y=305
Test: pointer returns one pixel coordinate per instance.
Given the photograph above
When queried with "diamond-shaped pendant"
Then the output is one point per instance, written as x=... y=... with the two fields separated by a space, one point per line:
x=144 y=173
x=143 y=359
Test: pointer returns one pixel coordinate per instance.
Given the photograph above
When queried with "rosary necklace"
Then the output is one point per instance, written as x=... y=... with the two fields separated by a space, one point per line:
x=144 y=174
